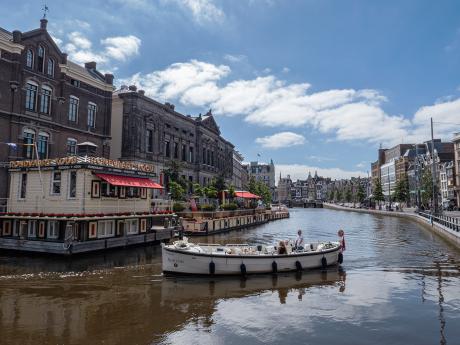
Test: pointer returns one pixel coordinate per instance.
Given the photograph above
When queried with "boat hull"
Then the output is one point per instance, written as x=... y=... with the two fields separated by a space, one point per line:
x=183 y=262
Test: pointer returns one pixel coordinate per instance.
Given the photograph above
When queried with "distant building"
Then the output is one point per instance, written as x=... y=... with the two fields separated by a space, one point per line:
x=48 y=104
x=456 y=165
x=238 y=171
x=284 y=189
x=263 y=172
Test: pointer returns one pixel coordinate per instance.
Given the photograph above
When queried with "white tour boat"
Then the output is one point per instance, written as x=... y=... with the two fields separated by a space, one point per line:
x=183 y=257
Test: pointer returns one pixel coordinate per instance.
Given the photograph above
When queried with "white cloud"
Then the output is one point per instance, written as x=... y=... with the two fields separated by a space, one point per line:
x=202 y=11
x=234 y=58
x=120 y=48
x=300 y=171
x=279 y=140
x=343 y=114
x=286 y=70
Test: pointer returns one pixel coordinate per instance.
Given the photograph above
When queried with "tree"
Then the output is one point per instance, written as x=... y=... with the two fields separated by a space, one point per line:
x=176 y=190
x=330 y=196
x=219 y=183
x=348 y=195
x=378 y=191
x=264 y=192
x=360 y=194
x=338 y=195
x=231 y=192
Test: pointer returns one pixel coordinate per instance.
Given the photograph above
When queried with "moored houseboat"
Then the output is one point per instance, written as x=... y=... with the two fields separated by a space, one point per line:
x=80 y=204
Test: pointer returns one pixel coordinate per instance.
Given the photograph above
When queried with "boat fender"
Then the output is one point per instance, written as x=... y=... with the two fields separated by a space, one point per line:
x=340 y=258
x=243 y=269
x=324 y=262
x=311 y=246
x=212 y=268
x=274 y=267
x=298 y=265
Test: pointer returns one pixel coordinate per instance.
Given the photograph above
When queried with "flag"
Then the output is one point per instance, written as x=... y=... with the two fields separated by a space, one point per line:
x=258 y=155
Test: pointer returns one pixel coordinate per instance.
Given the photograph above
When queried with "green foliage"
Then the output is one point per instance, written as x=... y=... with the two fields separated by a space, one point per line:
x=331 y=195
x=176 y=190
x=210 y=192
x=178 y=207
x=231 y=192
x=173 y=170
x=401 y=192
x=378 y=191
x=261 y=189
x=198 y=191
x=207 y=207
x=338 y=195
x=229 y=207
x=348 y=195
x=360 y=194
x=219 y=183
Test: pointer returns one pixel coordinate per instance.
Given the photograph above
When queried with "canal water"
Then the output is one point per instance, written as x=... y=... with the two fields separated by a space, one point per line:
x=399 y=285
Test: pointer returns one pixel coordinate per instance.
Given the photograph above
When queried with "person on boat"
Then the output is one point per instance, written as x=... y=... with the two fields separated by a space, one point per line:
x=282 y=248
x=299 y=241
x=341 y=235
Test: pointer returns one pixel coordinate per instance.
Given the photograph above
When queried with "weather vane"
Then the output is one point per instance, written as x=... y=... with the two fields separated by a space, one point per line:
x=45 y=9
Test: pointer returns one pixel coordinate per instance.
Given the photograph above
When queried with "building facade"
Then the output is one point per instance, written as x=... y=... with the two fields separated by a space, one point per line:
x=263 y=172
x=456 y=165
x=238 y=177
x=144 y=130
x=48 y=104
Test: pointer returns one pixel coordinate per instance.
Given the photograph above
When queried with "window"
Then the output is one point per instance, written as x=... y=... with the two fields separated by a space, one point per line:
x=131 y=226
x=71 y=146
x=32 y=228
x=50 y=69
x=45 y=101
x=23 y=186
x=72 y=184
x=190 y=154
x=41 y=59
x=53 y=229
x=167 y=149
x=30 y=58
x=92 y=108
x=176 y=150
x=184 y=153
x=149 y=140
x=75 y=82
x=31 y=96
x=73 y=108
x=42 y=145
x=204 y=156
x=28 y=140
x=105 y=228
x=56 y=183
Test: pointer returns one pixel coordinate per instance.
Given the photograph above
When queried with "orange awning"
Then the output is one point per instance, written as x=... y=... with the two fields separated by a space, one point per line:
x=129 y=181
x=246 y=195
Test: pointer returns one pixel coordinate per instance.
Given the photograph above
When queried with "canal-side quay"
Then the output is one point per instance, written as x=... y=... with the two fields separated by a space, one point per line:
x=444 y=226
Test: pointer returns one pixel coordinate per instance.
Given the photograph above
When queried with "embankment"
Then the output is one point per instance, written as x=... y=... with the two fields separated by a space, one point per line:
x=450 y=235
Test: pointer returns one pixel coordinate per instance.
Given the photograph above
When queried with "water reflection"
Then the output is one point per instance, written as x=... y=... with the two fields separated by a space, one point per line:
x=399 y=285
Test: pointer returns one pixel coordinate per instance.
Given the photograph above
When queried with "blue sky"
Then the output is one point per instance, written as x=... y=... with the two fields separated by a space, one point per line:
x=314 y=85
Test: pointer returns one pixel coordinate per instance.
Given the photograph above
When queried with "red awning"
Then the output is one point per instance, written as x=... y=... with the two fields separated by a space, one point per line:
x=129 y=181
x=246 y=195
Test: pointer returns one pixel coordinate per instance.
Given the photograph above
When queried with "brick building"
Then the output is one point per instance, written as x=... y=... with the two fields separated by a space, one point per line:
x=48 y=104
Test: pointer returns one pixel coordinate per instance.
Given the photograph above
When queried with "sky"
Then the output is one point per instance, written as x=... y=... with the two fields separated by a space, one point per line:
x=312 y=84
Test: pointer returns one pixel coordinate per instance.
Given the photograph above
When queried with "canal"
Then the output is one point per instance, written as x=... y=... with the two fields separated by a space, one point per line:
x=400 y=284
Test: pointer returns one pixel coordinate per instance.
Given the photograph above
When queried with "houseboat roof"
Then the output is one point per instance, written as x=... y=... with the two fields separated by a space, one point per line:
x=96 y=164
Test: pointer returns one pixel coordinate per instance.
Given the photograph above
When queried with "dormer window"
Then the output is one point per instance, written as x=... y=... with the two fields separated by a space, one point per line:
x=30 y=58
x=41 y=59
x=50 y=69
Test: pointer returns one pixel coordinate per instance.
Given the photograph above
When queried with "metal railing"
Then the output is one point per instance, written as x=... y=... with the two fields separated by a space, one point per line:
x=452 y=223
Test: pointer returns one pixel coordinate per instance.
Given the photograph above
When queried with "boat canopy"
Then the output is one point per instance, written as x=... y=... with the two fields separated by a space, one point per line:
x=129 y=181
x=246 y=195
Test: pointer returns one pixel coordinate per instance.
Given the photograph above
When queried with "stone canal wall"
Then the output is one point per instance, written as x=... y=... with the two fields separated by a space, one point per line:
x=451 y=235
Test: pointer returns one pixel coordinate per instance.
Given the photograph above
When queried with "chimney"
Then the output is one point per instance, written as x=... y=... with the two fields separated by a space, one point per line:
x=132 y=88
x=141 y=92
x=90 y=65
x=64 y=58
x=109 y=78
x=17 y=36
x=43 y=23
